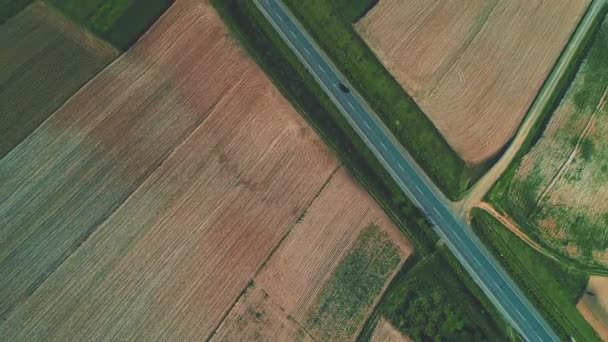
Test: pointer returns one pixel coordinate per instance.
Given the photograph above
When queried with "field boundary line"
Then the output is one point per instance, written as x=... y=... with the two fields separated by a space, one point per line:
x=272 y=253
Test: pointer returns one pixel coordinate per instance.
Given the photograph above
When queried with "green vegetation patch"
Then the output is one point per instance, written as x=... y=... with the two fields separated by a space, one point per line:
x=553 y=289
x=10 y=8
x=43 y=64
x=359 y=278
x=556 y=200
x=436 y=300
x=330 y=23
x=121 y=22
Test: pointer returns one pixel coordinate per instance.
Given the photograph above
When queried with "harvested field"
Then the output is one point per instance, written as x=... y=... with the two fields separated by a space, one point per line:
x=45 y=59
x=301 y=275
x=560 y=190
x=255 y=317
x=385 y=332
x=474 y=67
x=178 y=161
x=594 y=305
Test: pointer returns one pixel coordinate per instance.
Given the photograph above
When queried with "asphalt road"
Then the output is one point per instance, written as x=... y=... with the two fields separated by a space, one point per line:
x=483 y=268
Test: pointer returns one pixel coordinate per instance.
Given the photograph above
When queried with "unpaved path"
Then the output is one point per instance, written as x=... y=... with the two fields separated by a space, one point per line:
x=512 y=226
x=483 y=186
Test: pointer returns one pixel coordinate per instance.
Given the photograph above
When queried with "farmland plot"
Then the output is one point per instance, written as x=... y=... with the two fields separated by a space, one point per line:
x=560 y=190
x=474 y=67
x=312 y=277
x=81 y=164
x=213 y=203
x=593 y=305
x=45 y=59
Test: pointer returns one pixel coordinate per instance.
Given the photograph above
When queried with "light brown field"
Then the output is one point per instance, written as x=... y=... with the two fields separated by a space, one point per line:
x=474 y=67
x=595 y=307
x=297 y=271
x=385 y=332
x=173 y=175
x=257 y=318
x=45 y=58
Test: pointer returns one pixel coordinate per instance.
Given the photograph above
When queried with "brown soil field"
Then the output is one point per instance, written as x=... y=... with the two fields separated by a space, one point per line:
x=45 y=59
x=178 y=162
x=385 y=332
x=594 y=305
x=296 y=273
x=474 y=67
x=257 y=318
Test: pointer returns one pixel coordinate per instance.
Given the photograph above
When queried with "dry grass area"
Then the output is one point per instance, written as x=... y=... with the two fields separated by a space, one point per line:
x=298 y=273
x=144 y=206
x=385 y=332
x=594 y=305
x=45 y=59
x=474 y=67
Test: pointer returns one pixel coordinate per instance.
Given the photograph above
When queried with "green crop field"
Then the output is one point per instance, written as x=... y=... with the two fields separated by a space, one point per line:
x=553 y=289
x=349 y=294
x=120 y=22
x=45 y=59
x=330 y=23
x=557 y=191
x=436 y=300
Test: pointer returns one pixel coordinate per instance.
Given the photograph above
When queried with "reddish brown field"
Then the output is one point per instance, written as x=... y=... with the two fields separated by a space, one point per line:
x=296 y=273
x=385 y=332
x=173 y=175
x=474 y=67
x=595 y=307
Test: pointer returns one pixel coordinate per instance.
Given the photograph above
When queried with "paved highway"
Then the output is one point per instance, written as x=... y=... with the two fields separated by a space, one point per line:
x=484 y=269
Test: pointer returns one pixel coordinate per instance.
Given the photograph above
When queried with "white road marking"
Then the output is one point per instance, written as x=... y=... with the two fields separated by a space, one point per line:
x=417 y=188
x=436 y=211
x=308 y=52
x=366 y=125
x=383 y=146
x=321 y=67
x=351 y=106
x=401 y=167
x=292 y=33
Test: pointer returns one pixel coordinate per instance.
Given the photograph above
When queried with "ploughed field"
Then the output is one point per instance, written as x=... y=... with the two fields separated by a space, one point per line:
x=146 y=204
x=45 y=59
x=560 y=191
x=473 y=66
x=326 y=277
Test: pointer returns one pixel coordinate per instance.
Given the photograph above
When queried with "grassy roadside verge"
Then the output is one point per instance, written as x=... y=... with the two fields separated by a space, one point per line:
x=435 y=299
x=553 y=289
x=263 y=44
x=331 y=25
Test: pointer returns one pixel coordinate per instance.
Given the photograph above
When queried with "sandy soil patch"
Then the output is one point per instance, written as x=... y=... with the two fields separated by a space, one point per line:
x=296 y=273
x=385 y=332
x=474 y=67
x=594 y=305
x=176 y=171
